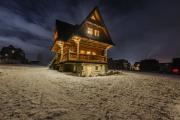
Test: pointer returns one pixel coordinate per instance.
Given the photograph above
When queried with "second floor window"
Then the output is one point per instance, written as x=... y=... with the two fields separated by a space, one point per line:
x=90 y=31
x=96 y=33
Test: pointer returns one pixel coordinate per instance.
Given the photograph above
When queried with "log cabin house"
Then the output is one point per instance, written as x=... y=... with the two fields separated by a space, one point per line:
x=82 y=49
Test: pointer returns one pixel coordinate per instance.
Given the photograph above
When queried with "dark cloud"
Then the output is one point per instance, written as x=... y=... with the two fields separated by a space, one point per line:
x=140 y=28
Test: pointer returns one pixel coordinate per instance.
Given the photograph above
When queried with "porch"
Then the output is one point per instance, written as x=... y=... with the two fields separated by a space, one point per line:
x=71 y=56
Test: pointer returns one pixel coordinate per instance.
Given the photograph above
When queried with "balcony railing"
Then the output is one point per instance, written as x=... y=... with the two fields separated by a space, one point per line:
x=83 y=58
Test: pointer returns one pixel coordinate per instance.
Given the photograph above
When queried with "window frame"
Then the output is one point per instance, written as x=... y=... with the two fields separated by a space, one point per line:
x=96 y=33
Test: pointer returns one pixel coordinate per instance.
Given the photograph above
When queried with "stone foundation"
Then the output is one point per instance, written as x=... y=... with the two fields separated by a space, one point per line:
x=84 y=69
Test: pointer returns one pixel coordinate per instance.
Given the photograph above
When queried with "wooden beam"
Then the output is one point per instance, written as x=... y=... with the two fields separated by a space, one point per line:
x=77 y=41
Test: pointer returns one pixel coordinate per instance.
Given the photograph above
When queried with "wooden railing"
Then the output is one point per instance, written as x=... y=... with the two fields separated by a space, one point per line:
x=83 y=58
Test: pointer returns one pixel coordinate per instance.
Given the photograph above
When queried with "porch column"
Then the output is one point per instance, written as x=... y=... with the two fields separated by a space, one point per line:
x=105 y=52
x=61 y=50
x=77 y=41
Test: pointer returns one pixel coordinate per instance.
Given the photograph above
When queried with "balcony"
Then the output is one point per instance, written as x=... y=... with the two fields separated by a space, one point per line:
x=84 y=58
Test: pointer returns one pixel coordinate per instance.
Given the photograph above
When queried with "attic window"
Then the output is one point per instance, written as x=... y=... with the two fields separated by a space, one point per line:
x=96 y=33
x=92 y=17
x=90 y=31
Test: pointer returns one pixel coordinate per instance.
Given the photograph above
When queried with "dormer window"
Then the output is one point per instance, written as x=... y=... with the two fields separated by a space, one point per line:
x=96 y=33
x=90 y=31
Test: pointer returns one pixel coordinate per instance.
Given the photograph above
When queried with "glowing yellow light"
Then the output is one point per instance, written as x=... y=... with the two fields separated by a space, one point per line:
x=93 y=53
x=88 y=52
x=90 y=31
x=96 y=33
x=82 y=51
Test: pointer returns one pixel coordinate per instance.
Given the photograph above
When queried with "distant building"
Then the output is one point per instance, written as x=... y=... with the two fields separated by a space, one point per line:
x=150 y=65
x=120 y=64
x=136 y=66
x=12 y=55
x=175 y=66
x=165 y=67
x=82 y=49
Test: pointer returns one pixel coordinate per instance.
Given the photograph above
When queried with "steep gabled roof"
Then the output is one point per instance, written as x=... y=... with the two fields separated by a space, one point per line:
x=96 y=18
x=66 y=30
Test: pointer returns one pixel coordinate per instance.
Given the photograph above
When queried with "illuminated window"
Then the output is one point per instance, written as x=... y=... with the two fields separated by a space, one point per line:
x=82 y=52
x=88 y=52
x=93 y=53
x=6 y=55
x=90 y=31
x=96 y=33
x=92 y=17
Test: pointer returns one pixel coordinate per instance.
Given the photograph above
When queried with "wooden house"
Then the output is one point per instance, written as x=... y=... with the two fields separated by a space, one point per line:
x=82 y=48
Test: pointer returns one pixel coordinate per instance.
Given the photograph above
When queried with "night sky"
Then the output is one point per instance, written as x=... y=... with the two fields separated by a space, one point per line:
x=140 y=29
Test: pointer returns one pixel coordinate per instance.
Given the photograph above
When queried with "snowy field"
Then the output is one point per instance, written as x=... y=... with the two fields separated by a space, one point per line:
x=37 y=93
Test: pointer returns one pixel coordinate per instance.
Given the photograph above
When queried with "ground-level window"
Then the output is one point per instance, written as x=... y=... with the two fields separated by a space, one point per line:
x=96 y=68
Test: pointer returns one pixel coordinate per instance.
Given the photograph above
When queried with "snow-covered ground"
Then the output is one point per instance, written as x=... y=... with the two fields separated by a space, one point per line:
x=37 y=93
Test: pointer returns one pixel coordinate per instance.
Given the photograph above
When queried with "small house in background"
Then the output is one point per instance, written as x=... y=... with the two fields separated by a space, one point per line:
x=12 y=55
x=150 y=65
x=175 y=66
x=120 y=64
x=82 y=48
x=165 y=67
x=136 y=66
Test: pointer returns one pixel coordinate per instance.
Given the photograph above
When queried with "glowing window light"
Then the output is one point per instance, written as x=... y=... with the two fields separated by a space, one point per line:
x=92 y=17
x=93 y=53
x=96 y=33
x=90 y=31
x=82 y=51
x=88 y=52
